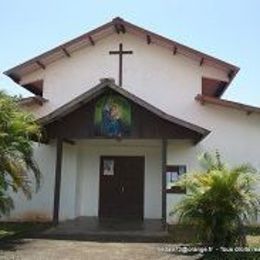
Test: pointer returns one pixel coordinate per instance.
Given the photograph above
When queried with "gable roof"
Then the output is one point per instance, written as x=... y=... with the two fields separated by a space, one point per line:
x=117 y=25
x=108 y=83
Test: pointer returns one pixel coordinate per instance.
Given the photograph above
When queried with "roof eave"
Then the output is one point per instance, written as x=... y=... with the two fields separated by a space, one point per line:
x=174 y=43
x=233 y=70
x=231 y=77
x=11 y=71
x=98 y=89
x=32 y=100
x=227 y=103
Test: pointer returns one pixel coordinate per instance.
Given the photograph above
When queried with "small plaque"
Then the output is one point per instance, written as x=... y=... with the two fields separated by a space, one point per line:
x=108 y=167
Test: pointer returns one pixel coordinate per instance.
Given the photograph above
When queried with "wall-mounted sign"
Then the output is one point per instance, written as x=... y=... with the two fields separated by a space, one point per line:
x=171 y=178
x=112 y=116
x=173 y=174
x=108 y=167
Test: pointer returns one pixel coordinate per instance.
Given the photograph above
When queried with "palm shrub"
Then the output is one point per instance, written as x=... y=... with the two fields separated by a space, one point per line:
x=219 y=201
x=17 y=130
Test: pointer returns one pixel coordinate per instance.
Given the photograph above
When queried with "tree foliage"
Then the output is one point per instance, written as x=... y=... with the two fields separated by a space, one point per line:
x=17 y=130
x=219 y=201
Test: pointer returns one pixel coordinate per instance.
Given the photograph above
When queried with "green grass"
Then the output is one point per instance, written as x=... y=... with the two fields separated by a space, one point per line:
x=5 y=233
x=253 y=236
x=253 y=241
x=9 y=229
x=187 y=234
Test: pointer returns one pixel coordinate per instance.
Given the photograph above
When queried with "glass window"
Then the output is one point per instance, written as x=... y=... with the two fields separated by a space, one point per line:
x=173 y=173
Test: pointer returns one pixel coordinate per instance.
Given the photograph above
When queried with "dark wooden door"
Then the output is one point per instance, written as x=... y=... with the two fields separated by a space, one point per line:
x=121 y=187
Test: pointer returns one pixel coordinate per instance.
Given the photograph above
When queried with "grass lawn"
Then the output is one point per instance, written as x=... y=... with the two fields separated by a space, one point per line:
x=8 y=230
x=187 y=234
x=253 y=236
x=253 y=240
x=184 y=234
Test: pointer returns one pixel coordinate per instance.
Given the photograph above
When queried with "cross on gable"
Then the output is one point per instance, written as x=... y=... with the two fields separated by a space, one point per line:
x=120 y=52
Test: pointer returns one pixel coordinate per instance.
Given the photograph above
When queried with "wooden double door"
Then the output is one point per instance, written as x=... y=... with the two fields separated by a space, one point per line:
x=121 y=190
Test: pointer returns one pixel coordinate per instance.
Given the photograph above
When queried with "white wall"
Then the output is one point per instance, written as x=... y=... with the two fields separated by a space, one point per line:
x=180 y=152
x=68 y=181
x=167 y=81
x=88 y=173
x=150 y=70
x=80 y=179
x=40 y=207
x=237 y=140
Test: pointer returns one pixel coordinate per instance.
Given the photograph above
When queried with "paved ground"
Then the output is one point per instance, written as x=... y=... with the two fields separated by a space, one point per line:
x=41 y=249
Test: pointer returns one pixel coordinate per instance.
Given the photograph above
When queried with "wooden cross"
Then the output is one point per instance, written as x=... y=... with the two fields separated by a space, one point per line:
x=120 y=53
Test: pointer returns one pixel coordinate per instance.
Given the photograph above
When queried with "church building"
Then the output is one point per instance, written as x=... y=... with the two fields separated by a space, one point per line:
x=125 y=112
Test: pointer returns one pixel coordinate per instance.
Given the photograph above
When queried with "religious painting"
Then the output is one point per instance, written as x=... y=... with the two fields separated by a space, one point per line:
x=112 y=116
x=108 y=167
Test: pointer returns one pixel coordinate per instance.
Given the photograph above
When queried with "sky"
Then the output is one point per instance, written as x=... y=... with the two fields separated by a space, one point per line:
x=229 y=30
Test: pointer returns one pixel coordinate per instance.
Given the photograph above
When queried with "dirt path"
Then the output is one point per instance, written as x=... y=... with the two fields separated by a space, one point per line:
x=41 y=249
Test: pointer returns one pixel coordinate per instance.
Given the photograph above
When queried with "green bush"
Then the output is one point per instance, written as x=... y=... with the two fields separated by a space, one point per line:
x=219 y=201
x=17 y=128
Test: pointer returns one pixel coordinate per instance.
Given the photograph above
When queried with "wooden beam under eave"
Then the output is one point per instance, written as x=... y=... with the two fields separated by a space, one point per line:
x=15 y=78
x=40 y=64
x=174 y=50
x=38 y=101
x=117 y=29
x=196 y=140
x=123 y=30
x=200 y=99
x=148 y=39
x=65 y=51
x=201 y=61
x=91 y=40
x=231 y=75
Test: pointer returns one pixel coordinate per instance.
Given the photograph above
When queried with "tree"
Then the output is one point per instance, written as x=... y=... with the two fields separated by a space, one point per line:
x=18 y=129
x=219 y=201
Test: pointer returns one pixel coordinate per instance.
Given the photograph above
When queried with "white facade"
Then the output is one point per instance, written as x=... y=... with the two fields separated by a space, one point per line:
x=169 y=82
x=80 y=179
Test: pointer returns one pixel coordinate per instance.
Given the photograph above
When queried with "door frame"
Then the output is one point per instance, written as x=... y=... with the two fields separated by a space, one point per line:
x=101 y=158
